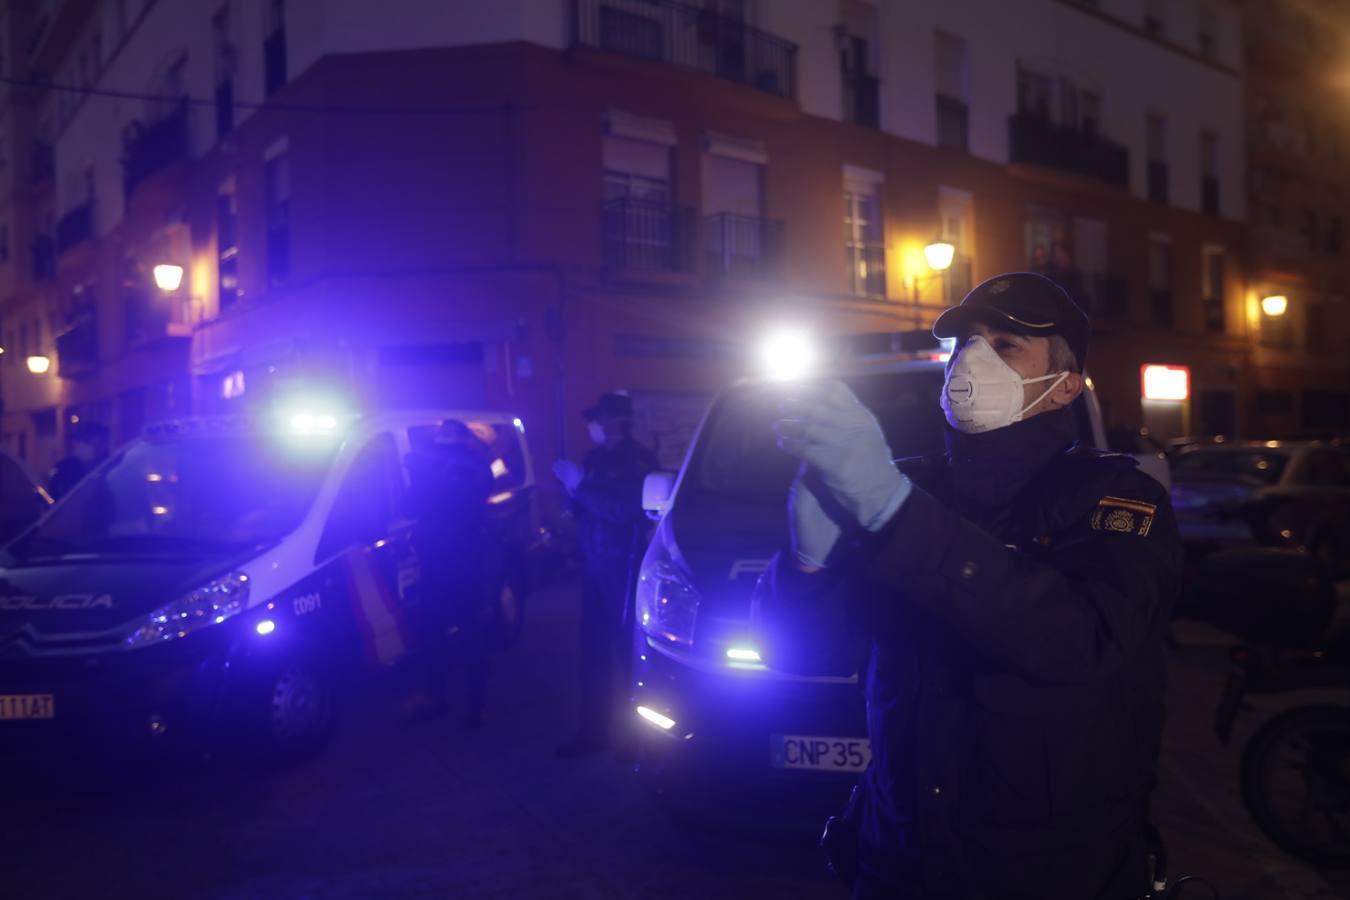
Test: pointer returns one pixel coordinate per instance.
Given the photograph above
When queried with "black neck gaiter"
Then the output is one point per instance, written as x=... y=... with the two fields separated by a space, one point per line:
x=991 y=469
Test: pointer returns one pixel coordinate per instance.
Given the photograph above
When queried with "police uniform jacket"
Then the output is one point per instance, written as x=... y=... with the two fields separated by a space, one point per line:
x=1015 y=611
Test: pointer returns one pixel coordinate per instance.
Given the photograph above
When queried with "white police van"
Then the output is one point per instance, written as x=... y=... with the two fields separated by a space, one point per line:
x=718 y=725
x=206 y=586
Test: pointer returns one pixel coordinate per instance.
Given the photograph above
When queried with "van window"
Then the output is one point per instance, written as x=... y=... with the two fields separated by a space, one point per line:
x=503 y=447
x=368 y=500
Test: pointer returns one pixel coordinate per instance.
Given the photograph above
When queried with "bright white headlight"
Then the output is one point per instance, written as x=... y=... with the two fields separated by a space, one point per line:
x=786 y=355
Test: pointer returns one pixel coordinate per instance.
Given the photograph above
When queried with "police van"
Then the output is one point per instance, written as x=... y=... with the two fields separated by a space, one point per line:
x=207 y=585
x=714 y=717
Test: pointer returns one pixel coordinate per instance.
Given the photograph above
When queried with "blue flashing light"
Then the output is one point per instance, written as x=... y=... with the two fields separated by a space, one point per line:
x=265 y=627
x=520 y=426
x=743 y=654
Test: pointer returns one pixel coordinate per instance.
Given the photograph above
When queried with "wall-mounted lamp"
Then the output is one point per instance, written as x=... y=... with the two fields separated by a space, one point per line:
x=939 y=255
x=39 y=365
x=1275 y=305
x=168 y=277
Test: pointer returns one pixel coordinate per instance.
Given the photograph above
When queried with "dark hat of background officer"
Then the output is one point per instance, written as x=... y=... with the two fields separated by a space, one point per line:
x=453 y=431
x=616 y=406
x=1023 y=303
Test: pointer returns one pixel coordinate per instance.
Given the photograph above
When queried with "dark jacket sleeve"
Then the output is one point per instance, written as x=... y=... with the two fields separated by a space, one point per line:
x=617 y=499
x=1072 y=612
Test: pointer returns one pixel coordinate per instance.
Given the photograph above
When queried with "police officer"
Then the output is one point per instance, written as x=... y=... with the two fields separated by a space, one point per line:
x=606 y=497
x=1015 y=596
x=88 y=448
x=450 y=482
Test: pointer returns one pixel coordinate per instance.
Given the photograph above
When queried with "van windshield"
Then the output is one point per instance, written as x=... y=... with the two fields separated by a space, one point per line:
x=738 y=457
x=184 y=495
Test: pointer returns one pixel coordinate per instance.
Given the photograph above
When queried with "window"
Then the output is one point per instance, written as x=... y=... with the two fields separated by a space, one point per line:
x=1209 y=173
x=864 y=241
x=1318 y=323
x=862 y=100
x=1090 y=112
x=1207 y=30
x=733 y=202
x=1045 y=238
x=226 y=58
x=1160 y=280
x=953 y=108
x=278 y=178
x=1105 y=300
x=367 y=502
x=274 y=47
x=1155 y=17
x=956 y=213
x=1035 y=93
x=1213 y=283
x=227 y=242
x=1157 y=158
x=638 y=215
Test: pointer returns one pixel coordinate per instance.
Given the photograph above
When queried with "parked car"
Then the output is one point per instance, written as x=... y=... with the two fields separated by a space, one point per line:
x=715 y=718
x=22 y=498
x=206 y=586
x=1266 y=493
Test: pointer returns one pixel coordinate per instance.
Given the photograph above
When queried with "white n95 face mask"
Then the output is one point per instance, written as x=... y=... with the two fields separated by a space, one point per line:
x=983 y=393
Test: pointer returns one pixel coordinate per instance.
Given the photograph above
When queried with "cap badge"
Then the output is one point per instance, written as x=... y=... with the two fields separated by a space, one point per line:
x=1000 y=286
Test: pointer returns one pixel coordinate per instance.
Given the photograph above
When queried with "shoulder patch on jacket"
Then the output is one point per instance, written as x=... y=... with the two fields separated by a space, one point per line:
x=1122 y=516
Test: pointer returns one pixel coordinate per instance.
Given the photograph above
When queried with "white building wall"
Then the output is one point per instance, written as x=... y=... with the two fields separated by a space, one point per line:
x=1107 y=52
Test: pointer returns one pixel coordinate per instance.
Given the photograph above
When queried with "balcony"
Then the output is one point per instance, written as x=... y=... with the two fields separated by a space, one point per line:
x=644 y=235
x=75 y=227
x=146 y=151
x=953 y=123
x=862 y=99
x=743 y=246
x=688 y=36
x=1040 y=142
x=1209 y=195
x=1157 y=181
x=77 y=347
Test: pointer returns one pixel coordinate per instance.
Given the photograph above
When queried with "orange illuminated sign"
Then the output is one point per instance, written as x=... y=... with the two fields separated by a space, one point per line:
x=1165 y=382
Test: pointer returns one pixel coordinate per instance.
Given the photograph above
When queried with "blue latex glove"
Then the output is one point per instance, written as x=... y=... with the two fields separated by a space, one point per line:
x=815 y=533
x=826 y=426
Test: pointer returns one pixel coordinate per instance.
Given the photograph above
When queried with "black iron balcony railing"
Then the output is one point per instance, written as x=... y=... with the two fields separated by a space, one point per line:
x=1209 y=195
x=1157 y=181
x=150 y=149
x=643 y=235
x=953 y=123
x=862 y=99
x=1038 y=141
x=743 y=245
x=75 y=227
x=866 y=268
x=77 y=347
x=686 y=35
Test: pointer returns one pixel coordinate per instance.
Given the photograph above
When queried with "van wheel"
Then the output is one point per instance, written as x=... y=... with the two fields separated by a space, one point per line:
x=293 y=713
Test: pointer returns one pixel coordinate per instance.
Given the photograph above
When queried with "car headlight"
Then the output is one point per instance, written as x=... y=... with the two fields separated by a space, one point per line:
x=667 y=606
x=210 y=604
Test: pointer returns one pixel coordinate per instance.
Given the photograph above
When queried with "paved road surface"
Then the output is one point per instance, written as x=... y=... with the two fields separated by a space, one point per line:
x=438 y=811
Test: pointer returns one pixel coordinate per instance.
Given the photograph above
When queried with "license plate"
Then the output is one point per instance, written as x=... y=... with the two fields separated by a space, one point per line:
x=829 y=754
x=27 y=706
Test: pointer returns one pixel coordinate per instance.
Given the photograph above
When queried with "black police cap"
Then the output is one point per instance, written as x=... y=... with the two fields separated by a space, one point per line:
x=1023 y=303
x=617 y=406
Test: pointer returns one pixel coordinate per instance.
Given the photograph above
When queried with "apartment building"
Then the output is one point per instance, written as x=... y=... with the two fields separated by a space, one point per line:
x=528 y=202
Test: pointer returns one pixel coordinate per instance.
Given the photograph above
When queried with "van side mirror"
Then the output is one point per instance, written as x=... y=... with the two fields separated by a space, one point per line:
x=657 y=489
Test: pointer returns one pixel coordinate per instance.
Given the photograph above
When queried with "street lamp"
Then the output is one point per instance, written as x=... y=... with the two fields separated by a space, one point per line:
x=1275 y=305
x=168 y=277
x=39 y=365
x=939 y=255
